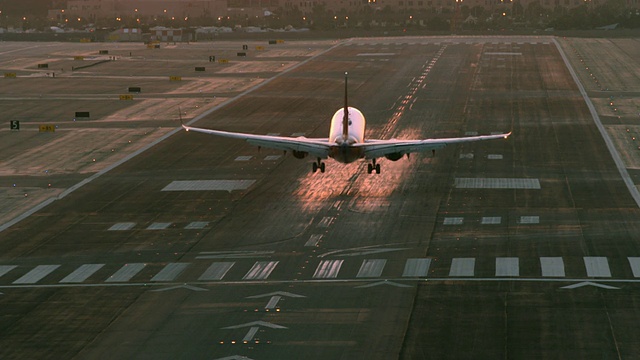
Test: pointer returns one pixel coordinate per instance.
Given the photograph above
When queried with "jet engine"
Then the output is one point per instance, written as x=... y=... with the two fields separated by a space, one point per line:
x=394 y=156
x=300 y=154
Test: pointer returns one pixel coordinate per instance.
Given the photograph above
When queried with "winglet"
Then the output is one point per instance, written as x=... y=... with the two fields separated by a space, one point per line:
x=345 y=119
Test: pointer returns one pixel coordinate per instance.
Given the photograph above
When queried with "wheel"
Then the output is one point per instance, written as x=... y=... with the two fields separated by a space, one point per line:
x=322 y=167
x=377 y=168
x=315 y=167
x=369 y=168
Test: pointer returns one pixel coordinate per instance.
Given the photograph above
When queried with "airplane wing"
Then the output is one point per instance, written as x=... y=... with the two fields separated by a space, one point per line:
x=378 y=148
x=315 y=147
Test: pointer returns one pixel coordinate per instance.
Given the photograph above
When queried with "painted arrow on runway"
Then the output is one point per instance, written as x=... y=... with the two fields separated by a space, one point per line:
x=255 y=323
x=254 y=328
x=385 y=282
x=589 y=283
x=277 y=293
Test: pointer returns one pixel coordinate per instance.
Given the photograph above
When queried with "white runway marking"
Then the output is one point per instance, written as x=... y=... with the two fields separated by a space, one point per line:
x=597 y=266
x=371 y=268
x=504 y=53
x=507 y=266
x=243 y=158
x=552 y=266
x=376 y=54
x=634 y=262
x=260 y=270
x=82 y=273
x=197 y=225
x=416 y=268
x=462 y=267
x=494 y=220
x=272 y=157
x=529 y=220
x=326 y=222
x=216 y=271
x=453 y=221
x=170 y=272
x=122 y=226
x=126 y=272
x=497 y=183
x=37 y=274
x=494 y=157
x=328 y=269
x=313 y=240
x=158 y=226
x=209 y=185
x=4 y=269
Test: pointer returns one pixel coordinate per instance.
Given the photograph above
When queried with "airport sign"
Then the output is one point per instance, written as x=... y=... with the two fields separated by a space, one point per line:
x=47 y=128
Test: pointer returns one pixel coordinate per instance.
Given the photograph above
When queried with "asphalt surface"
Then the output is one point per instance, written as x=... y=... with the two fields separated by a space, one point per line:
x=523 y=248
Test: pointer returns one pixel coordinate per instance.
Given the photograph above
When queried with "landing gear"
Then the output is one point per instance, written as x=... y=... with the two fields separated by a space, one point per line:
x=373 y=166
x=319 y=165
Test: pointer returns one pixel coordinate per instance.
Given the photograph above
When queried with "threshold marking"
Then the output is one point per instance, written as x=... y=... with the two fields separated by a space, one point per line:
x=37 y=274
x=197 y=225
x=328 y=269
x=416 y=268
x=216 y=271
x=313 y=240
x=597 y=266
x=4 y=269
x=122 y=226
x=507 y=266
x=497 y=183
x=462 y=267
x=552 y=266
x=170 y=272
x=126 y=272
x=260 y=270
x=82 y=273
x=453 y=221
x=158 y=226
x=209 y=185
x=371 y=268
x=492 y=220
x=634 y=262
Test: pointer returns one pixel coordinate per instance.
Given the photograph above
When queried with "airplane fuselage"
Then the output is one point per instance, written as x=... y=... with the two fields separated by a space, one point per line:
x=342 y=151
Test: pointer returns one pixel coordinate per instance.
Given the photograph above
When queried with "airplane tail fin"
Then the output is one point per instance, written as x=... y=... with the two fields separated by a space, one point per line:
x=345 y=119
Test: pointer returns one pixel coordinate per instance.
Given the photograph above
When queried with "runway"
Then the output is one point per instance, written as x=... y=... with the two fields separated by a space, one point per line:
x=204 y=247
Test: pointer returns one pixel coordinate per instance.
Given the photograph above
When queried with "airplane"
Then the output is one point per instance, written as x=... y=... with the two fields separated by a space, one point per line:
x=346 y=142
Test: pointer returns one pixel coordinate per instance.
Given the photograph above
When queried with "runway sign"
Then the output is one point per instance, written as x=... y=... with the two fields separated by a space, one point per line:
x=9 y=75
x=175 y=78
x=223 y=61
x=14 y=125
x=259 y=48
x=78 y=58
x=200 y=68
x=126 y=97
x=47 y=128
